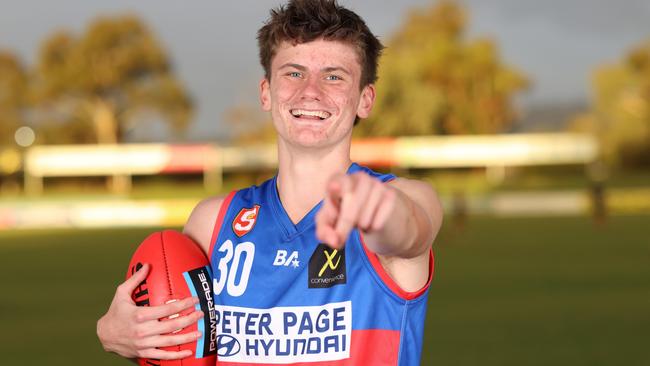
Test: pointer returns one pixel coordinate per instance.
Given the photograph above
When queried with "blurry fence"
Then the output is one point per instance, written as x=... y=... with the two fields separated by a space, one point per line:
x=123 y=161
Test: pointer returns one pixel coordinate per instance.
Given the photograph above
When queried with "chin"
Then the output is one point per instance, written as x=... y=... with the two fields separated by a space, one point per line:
x=309 y=134
x=312 y=134
x=310 y=139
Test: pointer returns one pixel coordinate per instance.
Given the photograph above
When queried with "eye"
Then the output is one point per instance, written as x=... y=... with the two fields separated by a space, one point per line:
x=294 y=74
x=333 y=78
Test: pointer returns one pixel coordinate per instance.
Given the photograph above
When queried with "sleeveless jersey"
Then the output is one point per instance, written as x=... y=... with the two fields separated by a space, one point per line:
x=281 y=297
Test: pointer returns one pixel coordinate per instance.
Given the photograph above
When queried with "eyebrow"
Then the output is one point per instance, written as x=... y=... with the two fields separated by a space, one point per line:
x=295 y=66
x=336 y=68
x=326 y=69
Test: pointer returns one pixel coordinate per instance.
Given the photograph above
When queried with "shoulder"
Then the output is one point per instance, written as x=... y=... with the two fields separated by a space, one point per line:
x=200 y=224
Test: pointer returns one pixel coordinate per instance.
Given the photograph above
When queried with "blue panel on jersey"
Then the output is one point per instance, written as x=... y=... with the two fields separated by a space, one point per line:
x=261 y=260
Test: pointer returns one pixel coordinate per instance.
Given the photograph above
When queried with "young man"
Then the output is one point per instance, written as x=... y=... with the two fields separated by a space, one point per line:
x=328 y=263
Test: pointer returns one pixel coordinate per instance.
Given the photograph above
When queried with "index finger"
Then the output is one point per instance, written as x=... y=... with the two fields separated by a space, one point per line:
x=325 y=221
x=336 y=188
x=134 y=281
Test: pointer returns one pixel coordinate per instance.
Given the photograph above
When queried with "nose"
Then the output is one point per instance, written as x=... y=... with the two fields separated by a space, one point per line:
x=312 y=89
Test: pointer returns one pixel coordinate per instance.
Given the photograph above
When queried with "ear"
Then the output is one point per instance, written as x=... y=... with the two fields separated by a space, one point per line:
x=367 y=101
x=265 y=94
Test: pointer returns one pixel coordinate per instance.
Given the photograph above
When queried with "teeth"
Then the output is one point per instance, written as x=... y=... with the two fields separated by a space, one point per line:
x=302 y=112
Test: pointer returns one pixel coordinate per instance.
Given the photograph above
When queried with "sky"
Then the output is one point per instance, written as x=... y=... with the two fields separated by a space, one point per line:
x=212 y=44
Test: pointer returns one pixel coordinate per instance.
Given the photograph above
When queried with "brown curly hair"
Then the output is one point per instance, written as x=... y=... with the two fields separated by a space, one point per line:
x=302 y=21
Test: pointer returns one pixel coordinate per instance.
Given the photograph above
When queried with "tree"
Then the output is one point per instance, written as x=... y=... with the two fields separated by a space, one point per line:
x=249 y=124
x=98 y=86
x=620 y=113
x=13 y=96
x=433 y=81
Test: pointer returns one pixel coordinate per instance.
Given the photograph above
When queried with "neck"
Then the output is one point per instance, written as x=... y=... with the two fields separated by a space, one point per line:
x=304 y=172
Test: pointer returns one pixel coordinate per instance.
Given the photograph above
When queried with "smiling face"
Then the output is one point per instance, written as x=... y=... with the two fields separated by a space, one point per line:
x=314 y=95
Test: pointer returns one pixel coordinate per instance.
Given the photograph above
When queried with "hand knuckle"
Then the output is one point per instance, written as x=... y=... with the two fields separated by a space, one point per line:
x=177 y=323
x=187 y=320
x=139 y=334
x=140 y=316
x=145 y=353
x=390 y=193
x=172 y=326
x=164 y=342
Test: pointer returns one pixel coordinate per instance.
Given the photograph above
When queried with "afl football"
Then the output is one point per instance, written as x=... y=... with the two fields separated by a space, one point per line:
x=178 y=269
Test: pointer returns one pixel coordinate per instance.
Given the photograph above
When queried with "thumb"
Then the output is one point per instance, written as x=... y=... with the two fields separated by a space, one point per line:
x=134 y=281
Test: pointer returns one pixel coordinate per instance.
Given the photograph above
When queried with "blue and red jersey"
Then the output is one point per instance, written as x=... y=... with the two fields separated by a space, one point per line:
x=281 y=297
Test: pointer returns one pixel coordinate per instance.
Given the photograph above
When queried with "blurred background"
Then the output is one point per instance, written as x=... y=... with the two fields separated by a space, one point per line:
x=531 y=119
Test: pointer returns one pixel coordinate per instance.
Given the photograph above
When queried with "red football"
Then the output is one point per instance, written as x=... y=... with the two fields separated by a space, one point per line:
x=178 y=269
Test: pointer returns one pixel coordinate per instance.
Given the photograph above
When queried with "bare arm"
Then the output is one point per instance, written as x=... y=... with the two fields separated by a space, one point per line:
x=132 y=331
x=200 y=224
x=412 y=223
x=399 y=222
x=418 y=208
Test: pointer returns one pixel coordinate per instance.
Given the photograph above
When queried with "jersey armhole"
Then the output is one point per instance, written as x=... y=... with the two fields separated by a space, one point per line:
x=218 y=223
x=388 y=281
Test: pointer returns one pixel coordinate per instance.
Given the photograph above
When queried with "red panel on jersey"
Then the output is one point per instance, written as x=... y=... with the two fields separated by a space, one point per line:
x=217 y=224
x=374 y=260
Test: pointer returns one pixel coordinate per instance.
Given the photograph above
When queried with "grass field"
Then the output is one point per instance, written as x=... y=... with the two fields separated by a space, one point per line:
x=549 y=291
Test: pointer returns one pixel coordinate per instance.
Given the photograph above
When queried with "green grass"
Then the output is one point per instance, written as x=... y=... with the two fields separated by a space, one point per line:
x=552 y=291
x=547 y=291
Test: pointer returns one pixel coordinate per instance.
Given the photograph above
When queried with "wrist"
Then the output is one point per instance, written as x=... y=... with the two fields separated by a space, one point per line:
x=101 y=334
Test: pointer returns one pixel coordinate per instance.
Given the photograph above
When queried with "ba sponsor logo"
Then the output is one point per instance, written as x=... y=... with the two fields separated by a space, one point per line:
x=245 y=220
x=283 y=258
x=227 y=345
x=326 y=267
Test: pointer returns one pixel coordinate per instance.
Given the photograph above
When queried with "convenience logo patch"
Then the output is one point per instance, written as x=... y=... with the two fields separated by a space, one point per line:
x=326 y=267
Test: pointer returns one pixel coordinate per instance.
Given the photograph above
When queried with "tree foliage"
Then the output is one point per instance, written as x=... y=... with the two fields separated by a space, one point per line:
x=433 y=81
x=95 y=87
x=620 y=114
x=13 y=95
x=249 y=124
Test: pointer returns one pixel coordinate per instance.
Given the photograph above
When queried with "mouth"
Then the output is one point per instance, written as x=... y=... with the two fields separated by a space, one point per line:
x=315 y=115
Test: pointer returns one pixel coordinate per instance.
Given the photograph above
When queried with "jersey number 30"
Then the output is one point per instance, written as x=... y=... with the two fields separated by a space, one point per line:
x=229 y=266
